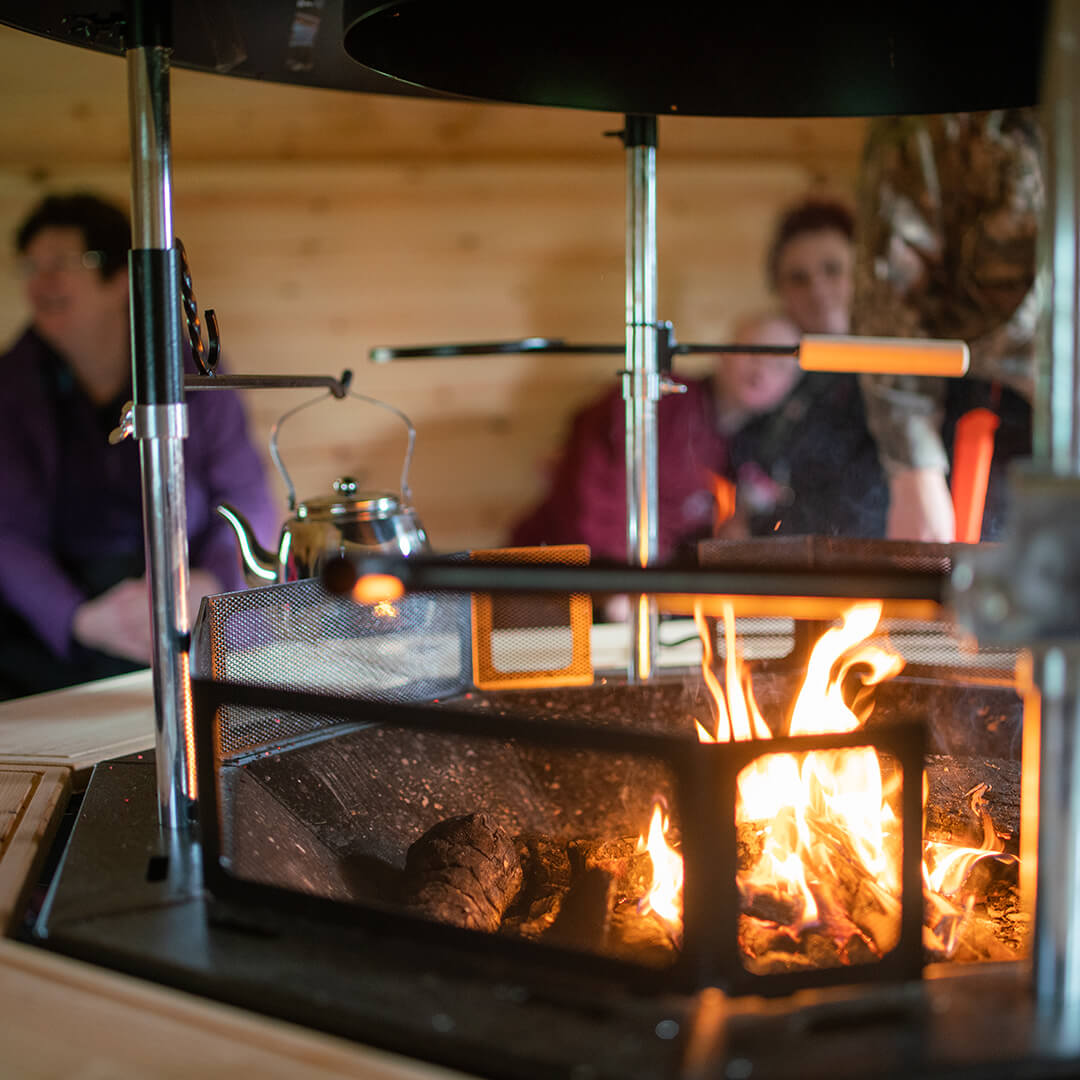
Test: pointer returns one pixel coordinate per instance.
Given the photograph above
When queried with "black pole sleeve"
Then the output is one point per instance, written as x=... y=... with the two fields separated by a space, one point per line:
x=157 y=372
x=149 y=24
x=639 y=131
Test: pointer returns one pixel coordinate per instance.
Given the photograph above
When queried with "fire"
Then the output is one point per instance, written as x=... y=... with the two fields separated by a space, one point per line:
x=665 y=893
x=830 y=805
x=946 y=866
x=824 y=819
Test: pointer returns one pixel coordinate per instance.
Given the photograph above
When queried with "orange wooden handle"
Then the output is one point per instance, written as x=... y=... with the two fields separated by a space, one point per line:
x=885 y=356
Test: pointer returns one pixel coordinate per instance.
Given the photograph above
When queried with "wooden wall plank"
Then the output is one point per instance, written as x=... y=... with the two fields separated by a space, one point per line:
x=213 y=117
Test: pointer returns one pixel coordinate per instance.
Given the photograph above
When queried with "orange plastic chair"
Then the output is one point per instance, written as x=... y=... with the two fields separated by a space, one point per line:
x=973 y=452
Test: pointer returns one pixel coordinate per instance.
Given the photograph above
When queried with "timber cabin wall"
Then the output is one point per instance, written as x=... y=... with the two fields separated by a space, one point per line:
x=319 y=224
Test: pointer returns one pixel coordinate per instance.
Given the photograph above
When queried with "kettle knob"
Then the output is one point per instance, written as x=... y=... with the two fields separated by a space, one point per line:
x=345 y=485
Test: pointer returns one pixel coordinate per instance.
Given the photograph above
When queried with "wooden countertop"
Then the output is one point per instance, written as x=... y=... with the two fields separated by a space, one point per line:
x=66 y=1019
x=80 y=726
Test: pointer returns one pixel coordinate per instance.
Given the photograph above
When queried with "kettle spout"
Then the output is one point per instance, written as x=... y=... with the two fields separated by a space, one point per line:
x=260 y=565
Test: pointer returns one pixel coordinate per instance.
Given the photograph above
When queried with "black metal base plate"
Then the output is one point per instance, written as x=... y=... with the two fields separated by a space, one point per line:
x=128 y=898
x=124 y=900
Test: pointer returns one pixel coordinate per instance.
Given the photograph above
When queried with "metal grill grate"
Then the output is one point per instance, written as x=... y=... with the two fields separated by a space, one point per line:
x=936 y=646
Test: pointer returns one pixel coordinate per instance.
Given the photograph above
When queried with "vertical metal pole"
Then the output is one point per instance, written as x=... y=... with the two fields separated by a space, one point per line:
x=641 y=380
x=1056 y=949
x=160 y=421
x=1056 y=668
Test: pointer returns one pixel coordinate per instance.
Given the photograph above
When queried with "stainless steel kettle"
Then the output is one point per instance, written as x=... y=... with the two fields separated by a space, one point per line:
x=349 y=520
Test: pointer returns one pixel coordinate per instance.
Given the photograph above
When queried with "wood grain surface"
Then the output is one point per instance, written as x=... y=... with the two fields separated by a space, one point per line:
x=32 y=801
x=119 y=1028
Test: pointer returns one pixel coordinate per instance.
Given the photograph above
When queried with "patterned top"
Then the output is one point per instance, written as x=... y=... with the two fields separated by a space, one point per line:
x=946 y=230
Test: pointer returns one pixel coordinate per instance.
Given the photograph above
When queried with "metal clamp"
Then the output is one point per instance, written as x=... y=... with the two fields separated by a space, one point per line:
x=653 y=386
x=161 y=421
x=126 y=426
x=151 y=422
x=1025 y=590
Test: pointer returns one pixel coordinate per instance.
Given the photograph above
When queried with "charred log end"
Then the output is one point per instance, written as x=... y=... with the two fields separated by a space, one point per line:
x=464 y=871
x=584 y=918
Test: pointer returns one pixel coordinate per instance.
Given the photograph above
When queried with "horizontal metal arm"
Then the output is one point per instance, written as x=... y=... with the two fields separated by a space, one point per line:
x=385 y=354
x=338 y=387
x=816 y=352
x=453 y=575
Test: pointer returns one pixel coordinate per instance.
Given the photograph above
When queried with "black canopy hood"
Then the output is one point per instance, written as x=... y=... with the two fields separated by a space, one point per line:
x=680 y=58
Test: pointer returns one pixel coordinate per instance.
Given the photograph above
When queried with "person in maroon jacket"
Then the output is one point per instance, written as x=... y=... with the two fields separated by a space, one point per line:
x=587 y=500
x=74 y=603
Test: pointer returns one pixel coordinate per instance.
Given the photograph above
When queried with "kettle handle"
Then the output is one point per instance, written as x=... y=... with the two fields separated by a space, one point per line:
x=406 y=492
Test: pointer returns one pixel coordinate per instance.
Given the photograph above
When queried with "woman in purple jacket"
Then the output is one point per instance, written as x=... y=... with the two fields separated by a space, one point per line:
x=73 y=596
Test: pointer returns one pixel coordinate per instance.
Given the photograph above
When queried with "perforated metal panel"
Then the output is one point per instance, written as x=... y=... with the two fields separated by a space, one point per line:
x=298 y=636
x=532 y=639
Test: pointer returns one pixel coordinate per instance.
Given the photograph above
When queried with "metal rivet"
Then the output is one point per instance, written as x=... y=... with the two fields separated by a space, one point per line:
x=667 y=1029
x=994 y=605
x=963 y=577
x=739 y=1069
x=442 y=1022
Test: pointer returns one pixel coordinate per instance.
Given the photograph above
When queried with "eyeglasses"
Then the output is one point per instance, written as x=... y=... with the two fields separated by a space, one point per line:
x=60 y=264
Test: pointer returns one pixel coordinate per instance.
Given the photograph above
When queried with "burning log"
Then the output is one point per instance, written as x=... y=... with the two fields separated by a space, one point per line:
x=877 y=914
x=630 y=869
x=770 y=905
x=583 y=919
x=547 y=872
x=463 y=871
x=950 y=817
x=644 y=939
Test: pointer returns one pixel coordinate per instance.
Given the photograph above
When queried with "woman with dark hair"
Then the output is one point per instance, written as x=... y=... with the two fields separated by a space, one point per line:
x=74 y=603
x=810 y=265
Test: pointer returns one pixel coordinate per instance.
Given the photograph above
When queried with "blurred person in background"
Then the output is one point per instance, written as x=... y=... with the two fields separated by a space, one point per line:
x=810 y=265
x=788 y=441
x=74 y=600
x=948 y=215
x=586 y=501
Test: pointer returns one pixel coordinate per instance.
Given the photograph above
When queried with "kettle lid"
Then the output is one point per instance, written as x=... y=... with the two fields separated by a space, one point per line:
x=349 y=501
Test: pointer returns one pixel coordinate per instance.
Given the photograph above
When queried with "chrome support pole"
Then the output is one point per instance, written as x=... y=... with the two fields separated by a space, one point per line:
x=1056 y=666
x=641 y=381
x=1057 y=404
x=159 y=400
x=1056 y=948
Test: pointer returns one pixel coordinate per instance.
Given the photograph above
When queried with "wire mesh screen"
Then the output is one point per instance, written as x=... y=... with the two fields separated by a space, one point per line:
x=523 y=640
x=513 y=835
x=922 y=644
x=299 y=637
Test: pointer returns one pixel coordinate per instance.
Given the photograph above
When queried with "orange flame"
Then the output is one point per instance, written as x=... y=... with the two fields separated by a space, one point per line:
x=665 y=892
x=817 y=810
x=723 y=493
